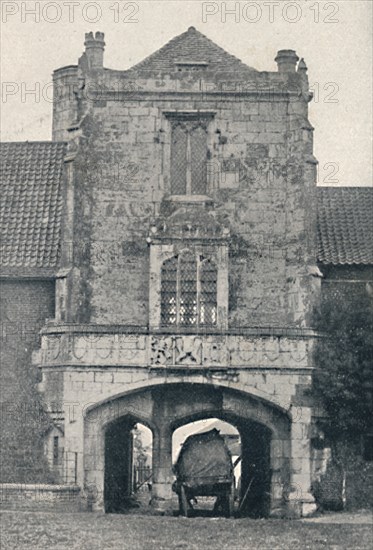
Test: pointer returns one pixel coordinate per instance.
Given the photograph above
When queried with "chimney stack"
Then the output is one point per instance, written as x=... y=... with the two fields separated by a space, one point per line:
x=94 y=50
x=286 y=61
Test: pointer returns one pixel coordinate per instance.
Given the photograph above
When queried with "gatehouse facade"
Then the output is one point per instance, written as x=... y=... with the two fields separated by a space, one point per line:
x=188 y=264
x=185 y=268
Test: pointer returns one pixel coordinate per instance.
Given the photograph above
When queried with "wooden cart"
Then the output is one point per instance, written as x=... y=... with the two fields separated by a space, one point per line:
x=204 y=468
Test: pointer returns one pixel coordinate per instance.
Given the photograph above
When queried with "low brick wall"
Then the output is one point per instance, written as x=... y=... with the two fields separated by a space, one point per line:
x=21 y=496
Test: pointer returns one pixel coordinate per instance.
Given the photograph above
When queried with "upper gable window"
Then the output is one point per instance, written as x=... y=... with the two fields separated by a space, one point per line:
x=188 y=291
x=188 y=66
x=189 y=155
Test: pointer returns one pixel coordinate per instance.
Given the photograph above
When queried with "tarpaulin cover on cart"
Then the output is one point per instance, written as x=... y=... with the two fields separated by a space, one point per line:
x=204 y=458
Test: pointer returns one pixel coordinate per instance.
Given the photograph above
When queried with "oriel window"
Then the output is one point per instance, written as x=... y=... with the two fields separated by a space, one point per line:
x=189 y=291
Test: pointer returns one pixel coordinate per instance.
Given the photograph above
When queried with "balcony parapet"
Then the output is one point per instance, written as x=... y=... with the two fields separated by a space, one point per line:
x=117 y=346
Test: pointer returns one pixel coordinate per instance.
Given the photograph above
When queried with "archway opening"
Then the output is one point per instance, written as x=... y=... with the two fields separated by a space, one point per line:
x=128 y=459
x=249 y=447
x=209 y=471
x=142 y=457
x=264 y=432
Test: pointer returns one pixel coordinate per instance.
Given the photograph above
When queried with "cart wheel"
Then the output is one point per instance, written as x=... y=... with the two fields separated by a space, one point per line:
x=228 y=506
x=184 y=508
x=231 y=501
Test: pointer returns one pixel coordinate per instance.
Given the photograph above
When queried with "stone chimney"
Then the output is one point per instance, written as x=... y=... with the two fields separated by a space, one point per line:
x=94 y=50
x=286 y=61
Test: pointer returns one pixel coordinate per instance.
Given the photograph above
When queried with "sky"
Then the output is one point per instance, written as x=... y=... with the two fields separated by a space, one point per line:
x=334 y=37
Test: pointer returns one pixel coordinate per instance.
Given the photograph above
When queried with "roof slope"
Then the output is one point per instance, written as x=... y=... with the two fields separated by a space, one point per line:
x=31 y=203
x=345 y=225
x=191 y=46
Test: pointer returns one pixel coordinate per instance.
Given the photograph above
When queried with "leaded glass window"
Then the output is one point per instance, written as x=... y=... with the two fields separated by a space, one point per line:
x=198 y=151
x=179 y=160
x=188 y=291
x=169 y=291
x=208 y=293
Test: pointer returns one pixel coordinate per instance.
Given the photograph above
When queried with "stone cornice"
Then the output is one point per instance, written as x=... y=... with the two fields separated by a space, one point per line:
x=287 y=332
x=264 y=95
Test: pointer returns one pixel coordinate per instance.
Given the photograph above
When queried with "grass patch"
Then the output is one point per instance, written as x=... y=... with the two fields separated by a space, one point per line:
x=39 y=530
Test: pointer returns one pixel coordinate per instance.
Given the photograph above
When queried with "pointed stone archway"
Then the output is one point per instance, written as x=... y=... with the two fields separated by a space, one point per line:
x=264 y=428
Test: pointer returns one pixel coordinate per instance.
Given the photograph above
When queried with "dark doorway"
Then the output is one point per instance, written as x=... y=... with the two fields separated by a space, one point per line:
x=118 y=465
x=127 y=466
x=255 y=490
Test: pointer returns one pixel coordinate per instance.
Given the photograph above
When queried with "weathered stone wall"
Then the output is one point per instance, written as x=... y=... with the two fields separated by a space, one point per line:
x=25 y=306
x=65 y=86
x=261 y=179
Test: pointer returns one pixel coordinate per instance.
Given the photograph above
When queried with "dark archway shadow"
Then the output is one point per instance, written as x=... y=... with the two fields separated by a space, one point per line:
x=120 y=447
x=253 y=492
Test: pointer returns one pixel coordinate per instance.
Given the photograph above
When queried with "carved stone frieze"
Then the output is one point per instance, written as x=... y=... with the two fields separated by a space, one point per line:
x=272 y=348
x=216 y=352
x=188 y=350
x=161 y=351
x=91 y=348
x=173 y=350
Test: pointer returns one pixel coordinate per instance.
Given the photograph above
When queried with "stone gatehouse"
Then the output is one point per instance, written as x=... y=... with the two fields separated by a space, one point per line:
x=169 y=251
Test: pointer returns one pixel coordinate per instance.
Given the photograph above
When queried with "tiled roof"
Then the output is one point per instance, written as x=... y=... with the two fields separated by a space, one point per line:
x=345 y=225
x=31 y=203
x=191 y=46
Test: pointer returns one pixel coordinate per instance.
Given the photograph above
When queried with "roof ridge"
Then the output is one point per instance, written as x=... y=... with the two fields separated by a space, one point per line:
x=176 y=40
x=215 y=44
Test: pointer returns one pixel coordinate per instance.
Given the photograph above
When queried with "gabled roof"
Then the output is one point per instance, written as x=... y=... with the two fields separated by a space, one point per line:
x=31 y=203
x=191 y=46
x=345 y=225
